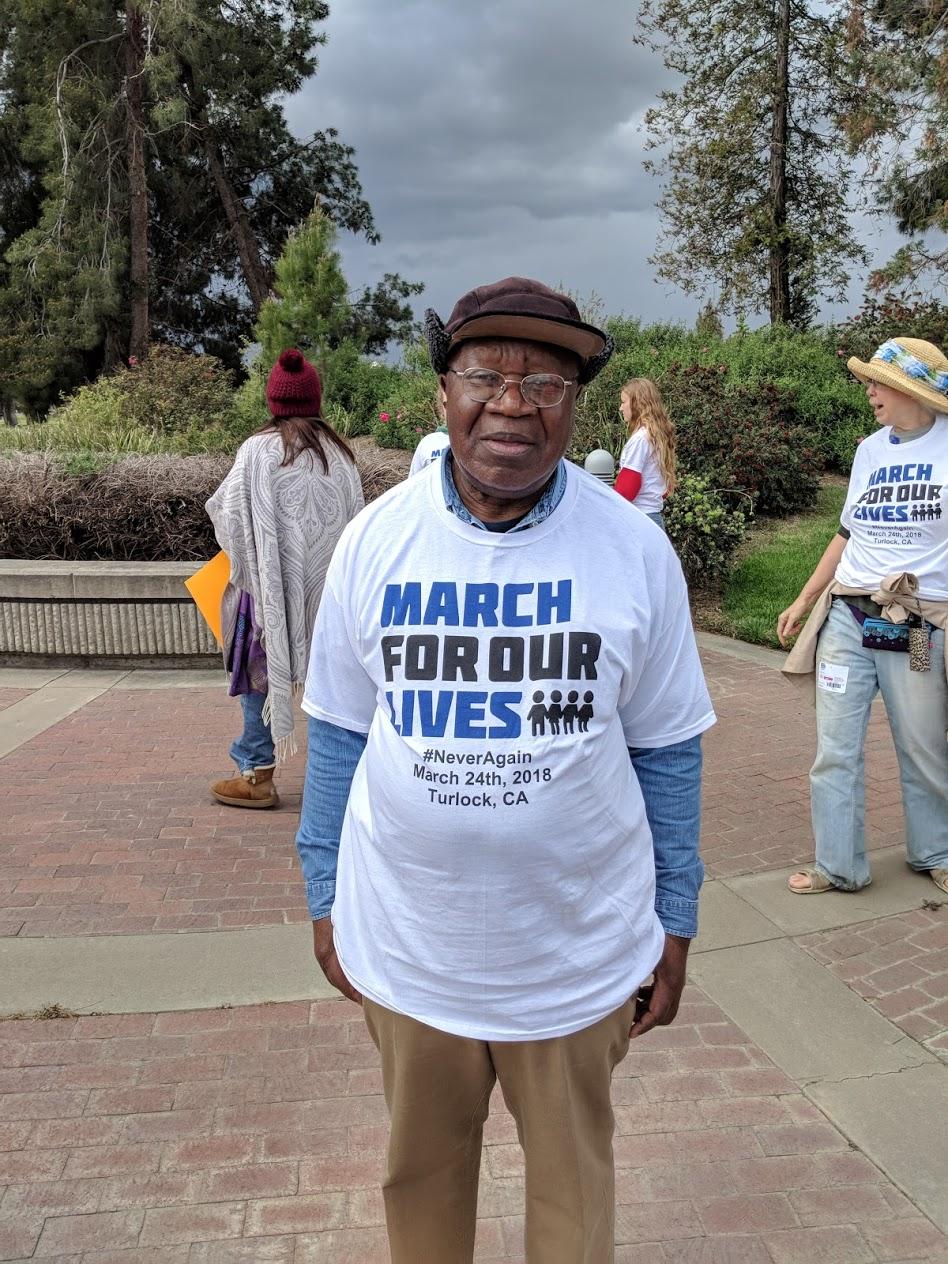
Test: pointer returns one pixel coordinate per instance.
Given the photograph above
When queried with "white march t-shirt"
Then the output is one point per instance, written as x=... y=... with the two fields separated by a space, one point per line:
x=897 y=512
x=639 y=455
x=429 y=449
x=496 y=876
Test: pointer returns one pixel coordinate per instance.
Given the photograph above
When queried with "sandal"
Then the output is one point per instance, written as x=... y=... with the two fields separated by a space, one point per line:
x=940 y=879
x=818 y=882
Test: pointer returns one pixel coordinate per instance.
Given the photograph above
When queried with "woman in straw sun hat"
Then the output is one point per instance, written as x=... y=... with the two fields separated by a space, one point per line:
x=878 y=603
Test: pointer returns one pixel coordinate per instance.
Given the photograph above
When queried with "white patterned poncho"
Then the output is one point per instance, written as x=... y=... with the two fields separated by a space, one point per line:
x=279 y=524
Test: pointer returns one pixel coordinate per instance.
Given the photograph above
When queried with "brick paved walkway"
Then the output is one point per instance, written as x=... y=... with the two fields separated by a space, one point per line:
x=899 y=965
x=217 y=1136
x=112 y=830
x=257 y=1134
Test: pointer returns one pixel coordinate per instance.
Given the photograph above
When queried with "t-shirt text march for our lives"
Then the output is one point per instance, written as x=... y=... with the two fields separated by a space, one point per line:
x=899 y=493
x=434 y=667
x=424 y=662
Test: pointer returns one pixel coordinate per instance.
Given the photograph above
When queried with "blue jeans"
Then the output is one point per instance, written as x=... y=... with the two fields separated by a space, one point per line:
x=917 y=707
x=658 y=519
x=254 y=747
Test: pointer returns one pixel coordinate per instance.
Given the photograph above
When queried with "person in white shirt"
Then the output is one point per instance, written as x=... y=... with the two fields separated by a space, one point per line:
x=430 y=448
x=880 y=607
x=647 y=464
x=499 y=833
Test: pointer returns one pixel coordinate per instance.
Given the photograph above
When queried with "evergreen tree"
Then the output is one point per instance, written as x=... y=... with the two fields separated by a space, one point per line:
x=755 y=205
x=899 y=49
x=157 y=180
x=708 y=325
x=310 y=308
x=65 y=259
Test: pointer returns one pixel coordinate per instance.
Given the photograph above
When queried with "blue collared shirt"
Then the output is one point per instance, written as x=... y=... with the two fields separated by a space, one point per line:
x=541 y=510
x=669 y=777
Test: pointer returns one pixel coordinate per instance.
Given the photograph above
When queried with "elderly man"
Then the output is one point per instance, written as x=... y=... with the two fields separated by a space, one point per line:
x=499 y=832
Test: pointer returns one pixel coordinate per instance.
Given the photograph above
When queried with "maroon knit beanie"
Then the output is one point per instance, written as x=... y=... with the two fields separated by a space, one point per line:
x=293 y=387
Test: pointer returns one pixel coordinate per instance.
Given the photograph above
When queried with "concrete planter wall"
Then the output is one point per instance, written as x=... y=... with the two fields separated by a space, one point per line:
x=101 y=613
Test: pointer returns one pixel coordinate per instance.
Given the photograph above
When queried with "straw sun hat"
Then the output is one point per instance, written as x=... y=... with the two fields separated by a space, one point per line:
x=910 y=365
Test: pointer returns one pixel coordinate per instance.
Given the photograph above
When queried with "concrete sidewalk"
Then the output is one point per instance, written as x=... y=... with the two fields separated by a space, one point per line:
x=216 y=1104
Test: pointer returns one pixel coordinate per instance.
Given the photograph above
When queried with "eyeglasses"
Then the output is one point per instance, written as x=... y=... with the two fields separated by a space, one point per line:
x=543 y=390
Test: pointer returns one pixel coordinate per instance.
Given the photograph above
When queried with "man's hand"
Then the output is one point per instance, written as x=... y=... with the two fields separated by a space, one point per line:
x=325 y=953
x=657 y=1004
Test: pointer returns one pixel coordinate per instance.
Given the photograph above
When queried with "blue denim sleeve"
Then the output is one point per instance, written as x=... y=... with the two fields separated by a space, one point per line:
x=331 y=762
x=670 y=778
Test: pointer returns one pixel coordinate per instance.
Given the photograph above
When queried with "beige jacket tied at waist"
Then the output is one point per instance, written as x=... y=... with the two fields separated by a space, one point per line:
x=897 y=595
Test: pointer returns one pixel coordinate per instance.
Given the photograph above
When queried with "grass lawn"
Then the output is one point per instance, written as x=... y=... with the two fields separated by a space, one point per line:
x=775 y=561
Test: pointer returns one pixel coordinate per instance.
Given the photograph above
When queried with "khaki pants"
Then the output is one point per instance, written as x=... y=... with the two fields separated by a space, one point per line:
x=437 y=1088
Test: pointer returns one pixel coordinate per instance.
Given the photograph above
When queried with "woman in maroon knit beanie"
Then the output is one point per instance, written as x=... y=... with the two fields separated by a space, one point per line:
x=277 y=515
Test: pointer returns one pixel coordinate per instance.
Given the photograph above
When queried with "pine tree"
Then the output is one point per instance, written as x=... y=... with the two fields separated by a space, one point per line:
x=899 y=49
x=65 y=266
x=755 y=204
x=310 y=308
x=156 y=180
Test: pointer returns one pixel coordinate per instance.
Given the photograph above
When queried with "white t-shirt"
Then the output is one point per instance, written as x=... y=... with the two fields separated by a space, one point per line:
x=496 y=876
x=897 y=512
x=639 y=455
x=429 y=449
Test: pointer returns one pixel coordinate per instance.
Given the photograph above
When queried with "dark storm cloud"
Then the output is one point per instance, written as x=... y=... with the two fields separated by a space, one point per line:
x=529 y=104
x=497 y=137
x=492 y=138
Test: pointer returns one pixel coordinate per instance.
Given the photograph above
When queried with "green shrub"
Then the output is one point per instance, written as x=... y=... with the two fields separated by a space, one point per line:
x=173 y=401
x=250 y=401
x=410 y=408
x=358 y=385
x=888 y=316
x=341 y=421
x=743 y=439
x=96 y=425
x=640 y=352
x=704 y=529
x=826 y=401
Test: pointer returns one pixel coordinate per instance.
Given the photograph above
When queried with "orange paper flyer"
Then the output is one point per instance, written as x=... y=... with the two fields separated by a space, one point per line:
x=206 y=587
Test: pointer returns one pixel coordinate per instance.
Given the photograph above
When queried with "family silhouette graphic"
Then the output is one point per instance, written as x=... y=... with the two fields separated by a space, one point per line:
x=559 y=717
x=925 y=513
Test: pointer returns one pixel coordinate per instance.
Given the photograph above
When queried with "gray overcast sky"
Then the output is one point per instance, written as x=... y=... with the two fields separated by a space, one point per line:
x=502 y=137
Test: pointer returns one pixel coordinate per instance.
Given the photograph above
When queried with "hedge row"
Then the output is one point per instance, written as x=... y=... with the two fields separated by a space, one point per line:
x=138 y=508
x=151 y=509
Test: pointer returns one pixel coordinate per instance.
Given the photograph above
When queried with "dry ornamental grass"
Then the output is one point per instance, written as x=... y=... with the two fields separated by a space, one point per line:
x=143 y=508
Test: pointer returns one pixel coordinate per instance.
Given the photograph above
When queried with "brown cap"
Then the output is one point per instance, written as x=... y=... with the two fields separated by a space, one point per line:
x=519 y=307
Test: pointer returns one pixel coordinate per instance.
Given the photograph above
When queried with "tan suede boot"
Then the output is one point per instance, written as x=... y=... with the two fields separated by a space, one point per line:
x=251 y=789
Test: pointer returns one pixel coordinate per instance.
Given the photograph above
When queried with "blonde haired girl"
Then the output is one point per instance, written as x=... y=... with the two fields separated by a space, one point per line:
x=647 y=464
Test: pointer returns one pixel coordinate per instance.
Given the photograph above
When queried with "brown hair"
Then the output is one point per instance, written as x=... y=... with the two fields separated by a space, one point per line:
x=648 y=413
x=302 y=434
